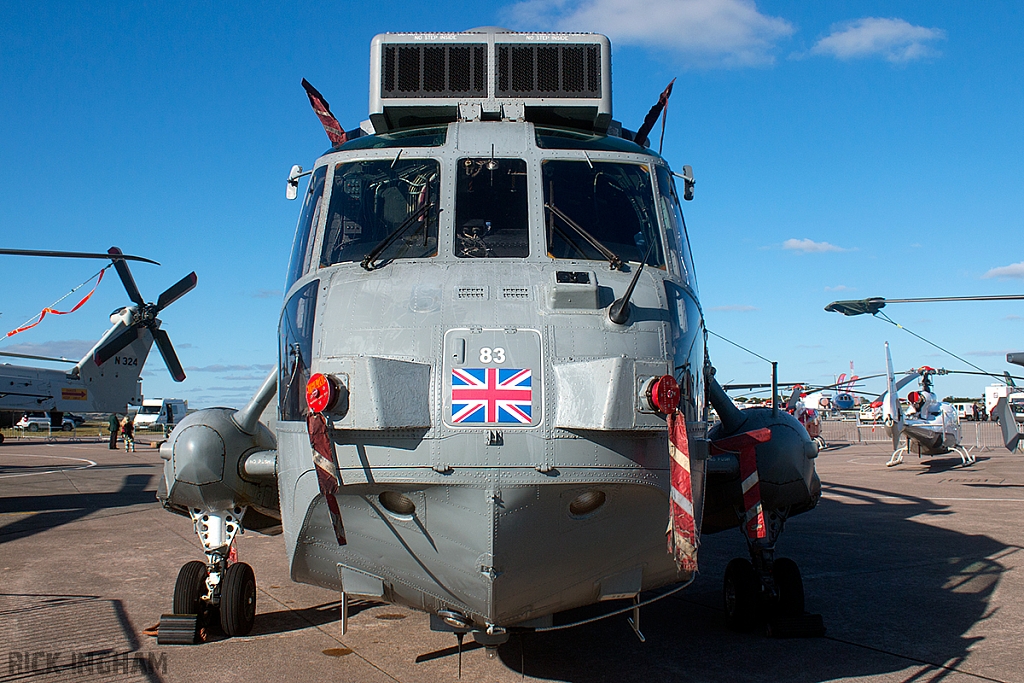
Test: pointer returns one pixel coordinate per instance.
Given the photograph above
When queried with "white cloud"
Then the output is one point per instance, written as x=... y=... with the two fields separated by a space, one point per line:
x=1014 y=270
x=809 y=246
x=839 y=288
x=72 y=349
x=230 y=368
x=893 y=39
x=702 y=32
x=735 y=307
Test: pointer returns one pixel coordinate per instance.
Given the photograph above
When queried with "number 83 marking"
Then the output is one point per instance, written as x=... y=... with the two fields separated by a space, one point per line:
x=488 y=355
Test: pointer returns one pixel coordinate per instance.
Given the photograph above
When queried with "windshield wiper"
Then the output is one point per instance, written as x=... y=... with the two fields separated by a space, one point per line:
x=613 y=260
x=395 y=234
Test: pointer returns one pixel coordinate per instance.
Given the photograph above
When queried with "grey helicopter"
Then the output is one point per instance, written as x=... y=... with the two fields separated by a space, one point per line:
x=491 y=325
x=107 y=378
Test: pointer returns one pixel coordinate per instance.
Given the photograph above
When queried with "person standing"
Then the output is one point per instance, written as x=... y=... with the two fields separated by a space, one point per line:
x=115 y=427
x=128 y=429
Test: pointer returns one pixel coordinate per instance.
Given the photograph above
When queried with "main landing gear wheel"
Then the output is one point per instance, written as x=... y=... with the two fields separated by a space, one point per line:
x=789 y=586
x=740 y=591
x=238 y=600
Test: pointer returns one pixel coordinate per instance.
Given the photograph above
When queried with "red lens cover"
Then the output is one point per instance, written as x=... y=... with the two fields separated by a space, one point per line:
x=665 y=394
x=320 y=393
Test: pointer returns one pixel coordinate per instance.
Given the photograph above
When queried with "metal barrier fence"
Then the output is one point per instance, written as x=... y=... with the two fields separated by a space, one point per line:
x=983 y=436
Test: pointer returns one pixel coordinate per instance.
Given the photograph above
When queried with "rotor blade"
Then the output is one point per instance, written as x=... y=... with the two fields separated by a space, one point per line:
x=163 y=343
x=176 y=291
x=892 y=404
x=904 y=381
x=114 y=346
x=1007 y=423
x=74 y=254
x=794 y=397
x=31 y=357
x=126 y=277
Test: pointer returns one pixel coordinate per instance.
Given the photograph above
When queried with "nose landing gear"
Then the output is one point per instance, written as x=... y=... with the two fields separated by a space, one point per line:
x=218 y=590
x=766 y=590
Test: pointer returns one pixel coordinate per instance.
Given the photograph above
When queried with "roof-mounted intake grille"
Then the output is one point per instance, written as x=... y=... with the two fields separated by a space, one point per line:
x=410 y=70
x=420 y=79
x=548 y=71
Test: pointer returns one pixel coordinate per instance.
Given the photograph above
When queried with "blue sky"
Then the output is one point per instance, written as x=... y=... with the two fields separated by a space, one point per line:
x=841 y=150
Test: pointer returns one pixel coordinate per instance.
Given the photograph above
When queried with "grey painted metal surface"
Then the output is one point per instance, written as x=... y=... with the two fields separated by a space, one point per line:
x=491 y=535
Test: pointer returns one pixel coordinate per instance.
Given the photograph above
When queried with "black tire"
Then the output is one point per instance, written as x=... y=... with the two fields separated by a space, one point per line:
x=66 y=427
x=189 y=588
x=33 y=427
x=789 y=586
x=740 y=592
x=238 y=600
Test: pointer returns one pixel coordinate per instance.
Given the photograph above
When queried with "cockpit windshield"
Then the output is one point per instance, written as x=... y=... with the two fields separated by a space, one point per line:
x=613 y=203
x=492 y=209
x=371 y=200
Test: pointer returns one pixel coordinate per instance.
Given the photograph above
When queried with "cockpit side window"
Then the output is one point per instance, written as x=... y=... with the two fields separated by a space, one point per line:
x=304 y=233
x=613 y=203
x=675 y=226
x=371 y=201
x=492 y=209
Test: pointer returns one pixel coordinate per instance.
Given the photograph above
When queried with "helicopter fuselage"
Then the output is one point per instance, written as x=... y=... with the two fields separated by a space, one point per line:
x=496 y=453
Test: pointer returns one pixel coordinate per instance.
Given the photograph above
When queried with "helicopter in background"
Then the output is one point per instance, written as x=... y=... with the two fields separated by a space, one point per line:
x=107 y=378
x=930 y=426
x=937 y=430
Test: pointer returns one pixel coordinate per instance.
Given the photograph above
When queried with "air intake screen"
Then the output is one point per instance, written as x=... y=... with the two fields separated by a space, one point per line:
x=548 y=71
x=434 y=70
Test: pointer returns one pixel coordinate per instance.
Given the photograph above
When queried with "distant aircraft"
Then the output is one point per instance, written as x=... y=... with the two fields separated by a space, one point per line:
x=932 y=427
x=107 y=378
x=1003 y=410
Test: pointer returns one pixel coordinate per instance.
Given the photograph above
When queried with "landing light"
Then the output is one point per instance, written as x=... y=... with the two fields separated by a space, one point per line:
x=454 y=619
x=585 y=503
x=397 y=503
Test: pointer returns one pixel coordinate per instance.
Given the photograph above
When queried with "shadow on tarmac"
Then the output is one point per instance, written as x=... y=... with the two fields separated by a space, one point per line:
x=285 y=620
x=895 y=593
x=54 y=624
x=50 y=511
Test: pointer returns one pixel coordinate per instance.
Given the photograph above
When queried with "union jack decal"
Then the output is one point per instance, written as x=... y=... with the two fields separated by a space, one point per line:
x=492 y=396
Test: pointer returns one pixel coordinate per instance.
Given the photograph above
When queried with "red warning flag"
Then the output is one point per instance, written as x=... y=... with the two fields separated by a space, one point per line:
x=323 y=111
x=42 y=314
x=682 y=532
x=745 y=445
x=327 y=473
x=652 y=116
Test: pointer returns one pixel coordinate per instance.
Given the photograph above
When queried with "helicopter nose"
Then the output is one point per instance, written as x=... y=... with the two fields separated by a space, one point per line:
x=561 y=546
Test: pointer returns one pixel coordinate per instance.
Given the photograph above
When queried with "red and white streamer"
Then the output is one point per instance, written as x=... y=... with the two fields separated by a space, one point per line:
x=745 y=446
x=682 y=533
x=50 y=309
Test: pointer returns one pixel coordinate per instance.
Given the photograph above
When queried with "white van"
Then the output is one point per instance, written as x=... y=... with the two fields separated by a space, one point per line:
x=156 y=412
x=966 y=410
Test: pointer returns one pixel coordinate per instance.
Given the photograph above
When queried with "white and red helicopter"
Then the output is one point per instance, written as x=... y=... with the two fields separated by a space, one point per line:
x=931 y=426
